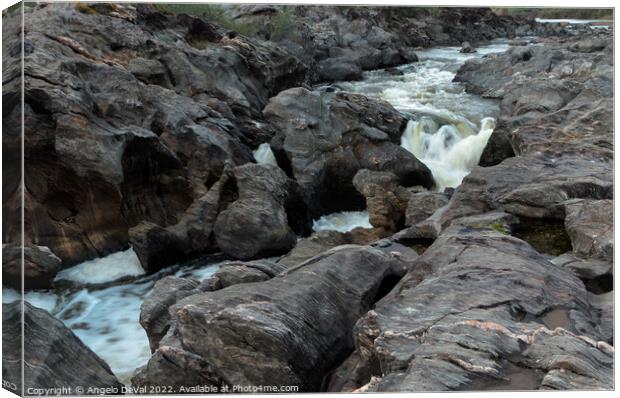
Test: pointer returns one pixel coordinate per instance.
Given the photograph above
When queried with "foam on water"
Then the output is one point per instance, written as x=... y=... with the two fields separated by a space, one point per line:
x=264 y=155
x=106 y=319
x=448 y=154
x=342 y=222
x=451 y=127
x=105 y=269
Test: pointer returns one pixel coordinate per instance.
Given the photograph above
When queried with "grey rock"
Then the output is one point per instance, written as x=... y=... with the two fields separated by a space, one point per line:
x=54 y=357
x=215 y=327
x=525 y=314
x=328 y=137
x=39 y=267
x=590 y=227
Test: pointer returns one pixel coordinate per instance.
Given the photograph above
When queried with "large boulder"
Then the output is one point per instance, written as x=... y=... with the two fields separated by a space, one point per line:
x=252 y=210
x=264 y=218
x=298 y=325
x=131 y=122
x=53 y=356
x=326 y=138
x=39 y=267
x=462 y=320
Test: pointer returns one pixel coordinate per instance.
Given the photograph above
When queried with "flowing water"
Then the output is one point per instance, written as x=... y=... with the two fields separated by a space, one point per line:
x=100 y=299
x=449 y=128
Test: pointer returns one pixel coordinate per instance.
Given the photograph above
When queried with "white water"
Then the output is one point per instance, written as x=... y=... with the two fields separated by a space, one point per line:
x=342 y=221
x=451 y=127
x=264 y=155
x=104 y=317
x=105 y=269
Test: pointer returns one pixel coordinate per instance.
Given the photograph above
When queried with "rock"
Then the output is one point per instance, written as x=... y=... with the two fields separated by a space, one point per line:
x=256 y=224
x=422 y=205
x=467 y=48
x=586 y=269
x=326 y=138
x=534 y=186
x=237 y=272
x=51 y=353
x=39 y=267
x=526 y=320
x=158 y=247
x=338 y=70
x=386 y=200
x=133 y=121
x=554 y=100
x=590 y=228
x=154 y=316
x=213 y=327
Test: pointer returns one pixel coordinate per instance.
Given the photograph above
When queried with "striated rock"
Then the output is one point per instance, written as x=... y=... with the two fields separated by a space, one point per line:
x=154 y=316
x=256 y=224
x=554 y=99
x=39 y=267
x=534 y=186
x=422 y=205
x=327 y=138
x=51 y=352
x=590 y=227
x=158 y=247
x=516 y=323
x=213 y=328
x=131 y=122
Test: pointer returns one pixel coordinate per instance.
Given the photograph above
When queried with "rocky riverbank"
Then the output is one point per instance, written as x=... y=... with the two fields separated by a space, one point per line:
x=143 y=132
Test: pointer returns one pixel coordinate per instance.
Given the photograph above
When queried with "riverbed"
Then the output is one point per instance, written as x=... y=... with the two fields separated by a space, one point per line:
x=100 y=299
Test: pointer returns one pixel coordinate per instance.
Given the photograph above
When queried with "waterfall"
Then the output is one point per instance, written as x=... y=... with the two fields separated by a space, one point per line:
x=264 y=155
x=449 y=151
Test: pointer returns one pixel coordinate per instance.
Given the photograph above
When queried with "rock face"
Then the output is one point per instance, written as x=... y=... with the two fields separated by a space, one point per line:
x=555 y=98
x=256 y=224
x=343 y=41
x=527 y=326
x=130 y=122
x=326 y=138
x=212 y=329
x=51 y=352
x=39 y=268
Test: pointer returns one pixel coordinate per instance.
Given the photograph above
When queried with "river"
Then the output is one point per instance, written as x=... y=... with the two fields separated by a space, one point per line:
x=100 y=299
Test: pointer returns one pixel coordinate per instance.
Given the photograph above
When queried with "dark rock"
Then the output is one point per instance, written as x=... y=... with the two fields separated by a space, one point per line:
x=154 y=316
x=339 y=69
x=461 y=312
x=534 y=186
x=213 y=328
x=590 y=227
x=467 y=48
x=422 y=205
x=54 y=357
x=586 y=269
x=328 y=137
x=127 y=125
x=256 y=224
x=39 y=267
x=158 y=247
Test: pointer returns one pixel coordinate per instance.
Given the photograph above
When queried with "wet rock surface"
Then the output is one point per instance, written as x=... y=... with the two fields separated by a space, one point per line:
x=527 y=317
x=260 y=323
x=327 y=138
x=39 y=268
x=50 y=353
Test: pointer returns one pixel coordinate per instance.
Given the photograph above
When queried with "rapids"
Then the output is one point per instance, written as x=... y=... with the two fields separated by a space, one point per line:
x=100 y=299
